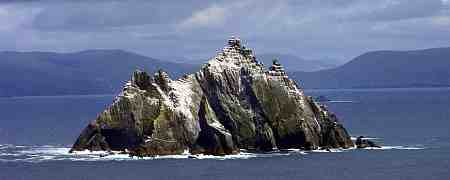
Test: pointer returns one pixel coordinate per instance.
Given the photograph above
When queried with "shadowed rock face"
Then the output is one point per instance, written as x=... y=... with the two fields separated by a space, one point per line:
x=232 y=103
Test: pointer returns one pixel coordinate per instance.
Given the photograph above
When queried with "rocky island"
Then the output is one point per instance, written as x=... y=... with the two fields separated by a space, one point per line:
x=233 y=102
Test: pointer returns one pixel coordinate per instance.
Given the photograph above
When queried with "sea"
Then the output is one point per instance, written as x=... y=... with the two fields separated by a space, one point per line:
x=411 y=124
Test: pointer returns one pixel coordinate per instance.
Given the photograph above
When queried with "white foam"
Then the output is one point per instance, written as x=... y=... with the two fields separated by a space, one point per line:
x=121 y=157
x=329 y=150
x=365 y=138
x=9 y=154
x=340 y=101
x=46 y=150
x=51 y=153
x=4 y=146
x=395 y=148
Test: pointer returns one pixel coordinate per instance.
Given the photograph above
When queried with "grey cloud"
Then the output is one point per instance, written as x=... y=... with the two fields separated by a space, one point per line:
x=197 y=29
x=76 y=16
x=392 y=10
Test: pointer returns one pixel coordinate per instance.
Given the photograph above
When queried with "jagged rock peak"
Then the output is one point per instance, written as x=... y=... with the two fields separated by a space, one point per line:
x=234 y=56
x=232 y=103
x=141 y=79
x=234 y=42
x=276 y=69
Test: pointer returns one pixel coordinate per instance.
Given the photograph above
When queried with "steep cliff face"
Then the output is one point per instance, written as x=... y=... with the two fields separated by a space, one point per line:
x=232 y=103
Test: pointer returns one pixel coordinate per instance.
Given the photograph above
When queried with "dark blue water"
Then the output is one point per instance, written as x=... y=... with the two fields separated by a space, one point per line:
x=412 y=124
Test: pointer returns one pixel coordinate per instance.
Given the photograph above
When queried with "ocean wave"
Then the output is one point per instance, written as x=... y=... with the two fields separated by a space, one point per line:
x=337 y=101
x=12 y=153
x=330 y=150
x=5 y=146
x=48 y=153
x=395 y=148
x=365 y=138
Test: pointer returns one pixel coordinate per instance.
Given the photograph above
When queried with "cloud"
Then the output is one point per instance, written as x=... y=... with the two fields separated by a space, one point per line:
x=391 y=10
x=13 y=18
x=197 y=28
x=441 y=21
x=104 y=15
x=211 y=16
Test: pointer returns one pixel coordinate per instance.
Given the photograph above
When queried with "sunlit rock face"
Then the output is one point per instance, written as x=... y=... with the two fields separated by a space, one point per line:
x=232 y=103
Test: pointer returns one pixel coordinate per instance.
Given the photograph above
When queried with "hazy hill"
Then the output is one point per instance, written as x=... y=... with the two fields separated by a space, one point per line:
x=86 y=72
x=294 y=63
x=103 y=71
x=418 y=68
x=291 y=62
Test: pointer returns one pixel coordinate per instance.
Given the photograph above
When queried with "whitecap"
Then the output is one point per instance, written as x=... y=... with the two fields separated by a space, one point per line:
x=53 y=153
x=9 y=154
x=329 y=150
x=365 y=138
x=45 y=150
x=395 y=148
x=300 y=151
x=5 y=146
x=340 y=101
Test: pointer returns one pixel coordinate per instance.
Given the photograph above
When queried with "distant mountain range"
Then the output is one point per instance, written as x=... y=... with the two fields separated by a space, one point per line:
x=384 y=69
x=86 y=72
x=294 y=63
x=104 y=71
x=291 y=62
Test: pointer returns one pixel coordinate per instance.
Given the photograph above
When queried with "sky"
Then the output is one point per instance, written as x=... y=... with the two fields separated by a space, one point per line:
x=198 y=29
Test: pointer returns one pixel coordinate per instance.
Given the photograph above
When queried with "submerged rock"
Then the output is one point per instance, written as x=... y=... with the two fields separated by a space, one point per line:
x=232 y=103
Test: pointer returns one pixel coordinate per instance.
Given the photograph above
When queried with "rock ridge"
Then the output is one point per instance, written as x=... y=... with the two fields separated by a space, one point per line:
x=232 y=103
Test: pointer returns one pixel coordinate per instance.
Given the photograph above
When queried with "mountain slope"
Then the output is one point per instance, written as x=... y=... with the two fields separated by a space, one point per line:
x=86 y=72
x=381 y=69
x=294 y=63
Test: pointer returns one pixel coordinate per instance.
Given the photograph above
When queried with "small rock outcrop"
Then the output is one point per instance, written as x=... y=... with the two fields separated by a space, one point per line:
x=362 y=142
x=232 y=103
